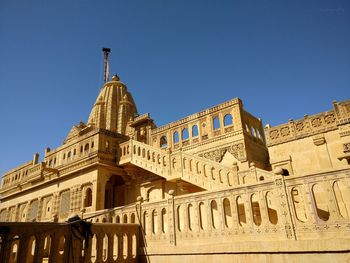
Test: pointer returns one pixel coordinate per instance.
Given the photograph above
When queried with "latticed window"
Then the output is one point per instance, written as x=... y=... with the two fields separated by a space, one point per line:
x=65 y=202
x=88 y=197
x=3 y=215
x=33 y=210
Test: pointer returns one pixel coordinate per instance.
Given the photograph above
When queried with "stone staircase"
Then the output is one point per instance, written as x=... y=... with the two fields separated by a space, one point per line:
x=176 y=166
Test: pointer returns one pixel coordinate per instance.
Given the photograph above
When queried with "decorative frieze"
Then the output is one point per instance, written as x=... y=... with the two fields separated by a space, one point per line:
x=237 y=150
x=308 y=126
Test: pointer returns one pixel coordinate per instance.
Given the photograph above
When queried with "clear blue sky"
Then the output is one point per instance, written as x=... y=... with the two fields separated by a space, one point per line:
x=283 y=58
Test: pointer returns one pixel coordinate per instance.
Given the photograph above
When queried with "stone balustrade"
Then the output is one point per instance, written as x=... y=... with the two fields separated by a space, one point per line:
x=287 y=208
x=53 y=242
x=178 y=165
x=199 y=171
x=309 y=125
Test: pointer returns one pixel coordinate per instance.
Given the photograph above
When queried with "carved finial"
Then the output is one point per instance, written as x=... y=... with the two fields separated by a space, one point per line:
x=115 y=78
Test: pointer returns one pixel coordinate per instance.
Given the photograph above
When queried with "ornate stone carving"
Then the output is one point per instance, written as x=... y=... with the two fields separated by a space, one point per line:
x=274 y=134
x=346 y=147
x=285 y=131
x=237 y=150
x=299 y=126
x=329 y=119
x=317 y=122
x=347 y=107
x=229 y=129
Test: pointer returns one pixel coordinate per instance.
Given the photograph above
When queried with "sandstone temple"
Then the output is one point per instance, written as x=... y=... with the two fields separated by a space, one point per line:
x=215 y=186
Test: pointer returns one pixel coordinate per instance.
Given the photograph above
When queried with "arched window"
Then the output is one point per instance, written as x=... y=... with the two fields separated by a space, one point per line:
x=253 y=131
x=163 y=142
x=69 y=154
x=191 y=217
x=176 y=137
x=298 y=203
x=184 y=134
x=164 y=221
x=216 y=123
x=256 y=210
x=88 y=197
x=132 y=218
x=227 y=213
x=256 y=133
x=214 y=214
x=86 y=148
x=227 y=119
x=202 y=216
x=271 y=208
x=194 y=131
x=241 y=211
x=154 y=222
x=321 y=201
x=180 y=218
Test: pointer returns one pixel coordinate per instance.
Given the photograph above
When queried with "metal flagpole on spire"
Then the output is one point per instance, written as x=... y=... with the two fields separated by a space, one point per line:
x=106 y=52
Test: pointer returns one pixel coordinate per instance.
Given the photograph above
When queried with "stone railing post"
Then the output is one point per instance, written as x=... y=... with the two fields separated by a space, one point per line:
x=235 y=178
x=253 y=173
x=171 y=219
x=285 y=204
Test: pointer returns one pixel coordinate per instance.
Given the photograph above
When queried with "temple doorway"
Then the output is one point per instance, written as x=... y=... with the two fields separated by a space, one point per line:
x=114 y=192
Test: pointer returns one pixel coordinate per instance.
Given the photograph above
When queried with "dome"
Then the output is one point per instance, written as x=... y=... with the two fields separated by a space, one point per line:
x=113 y=108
